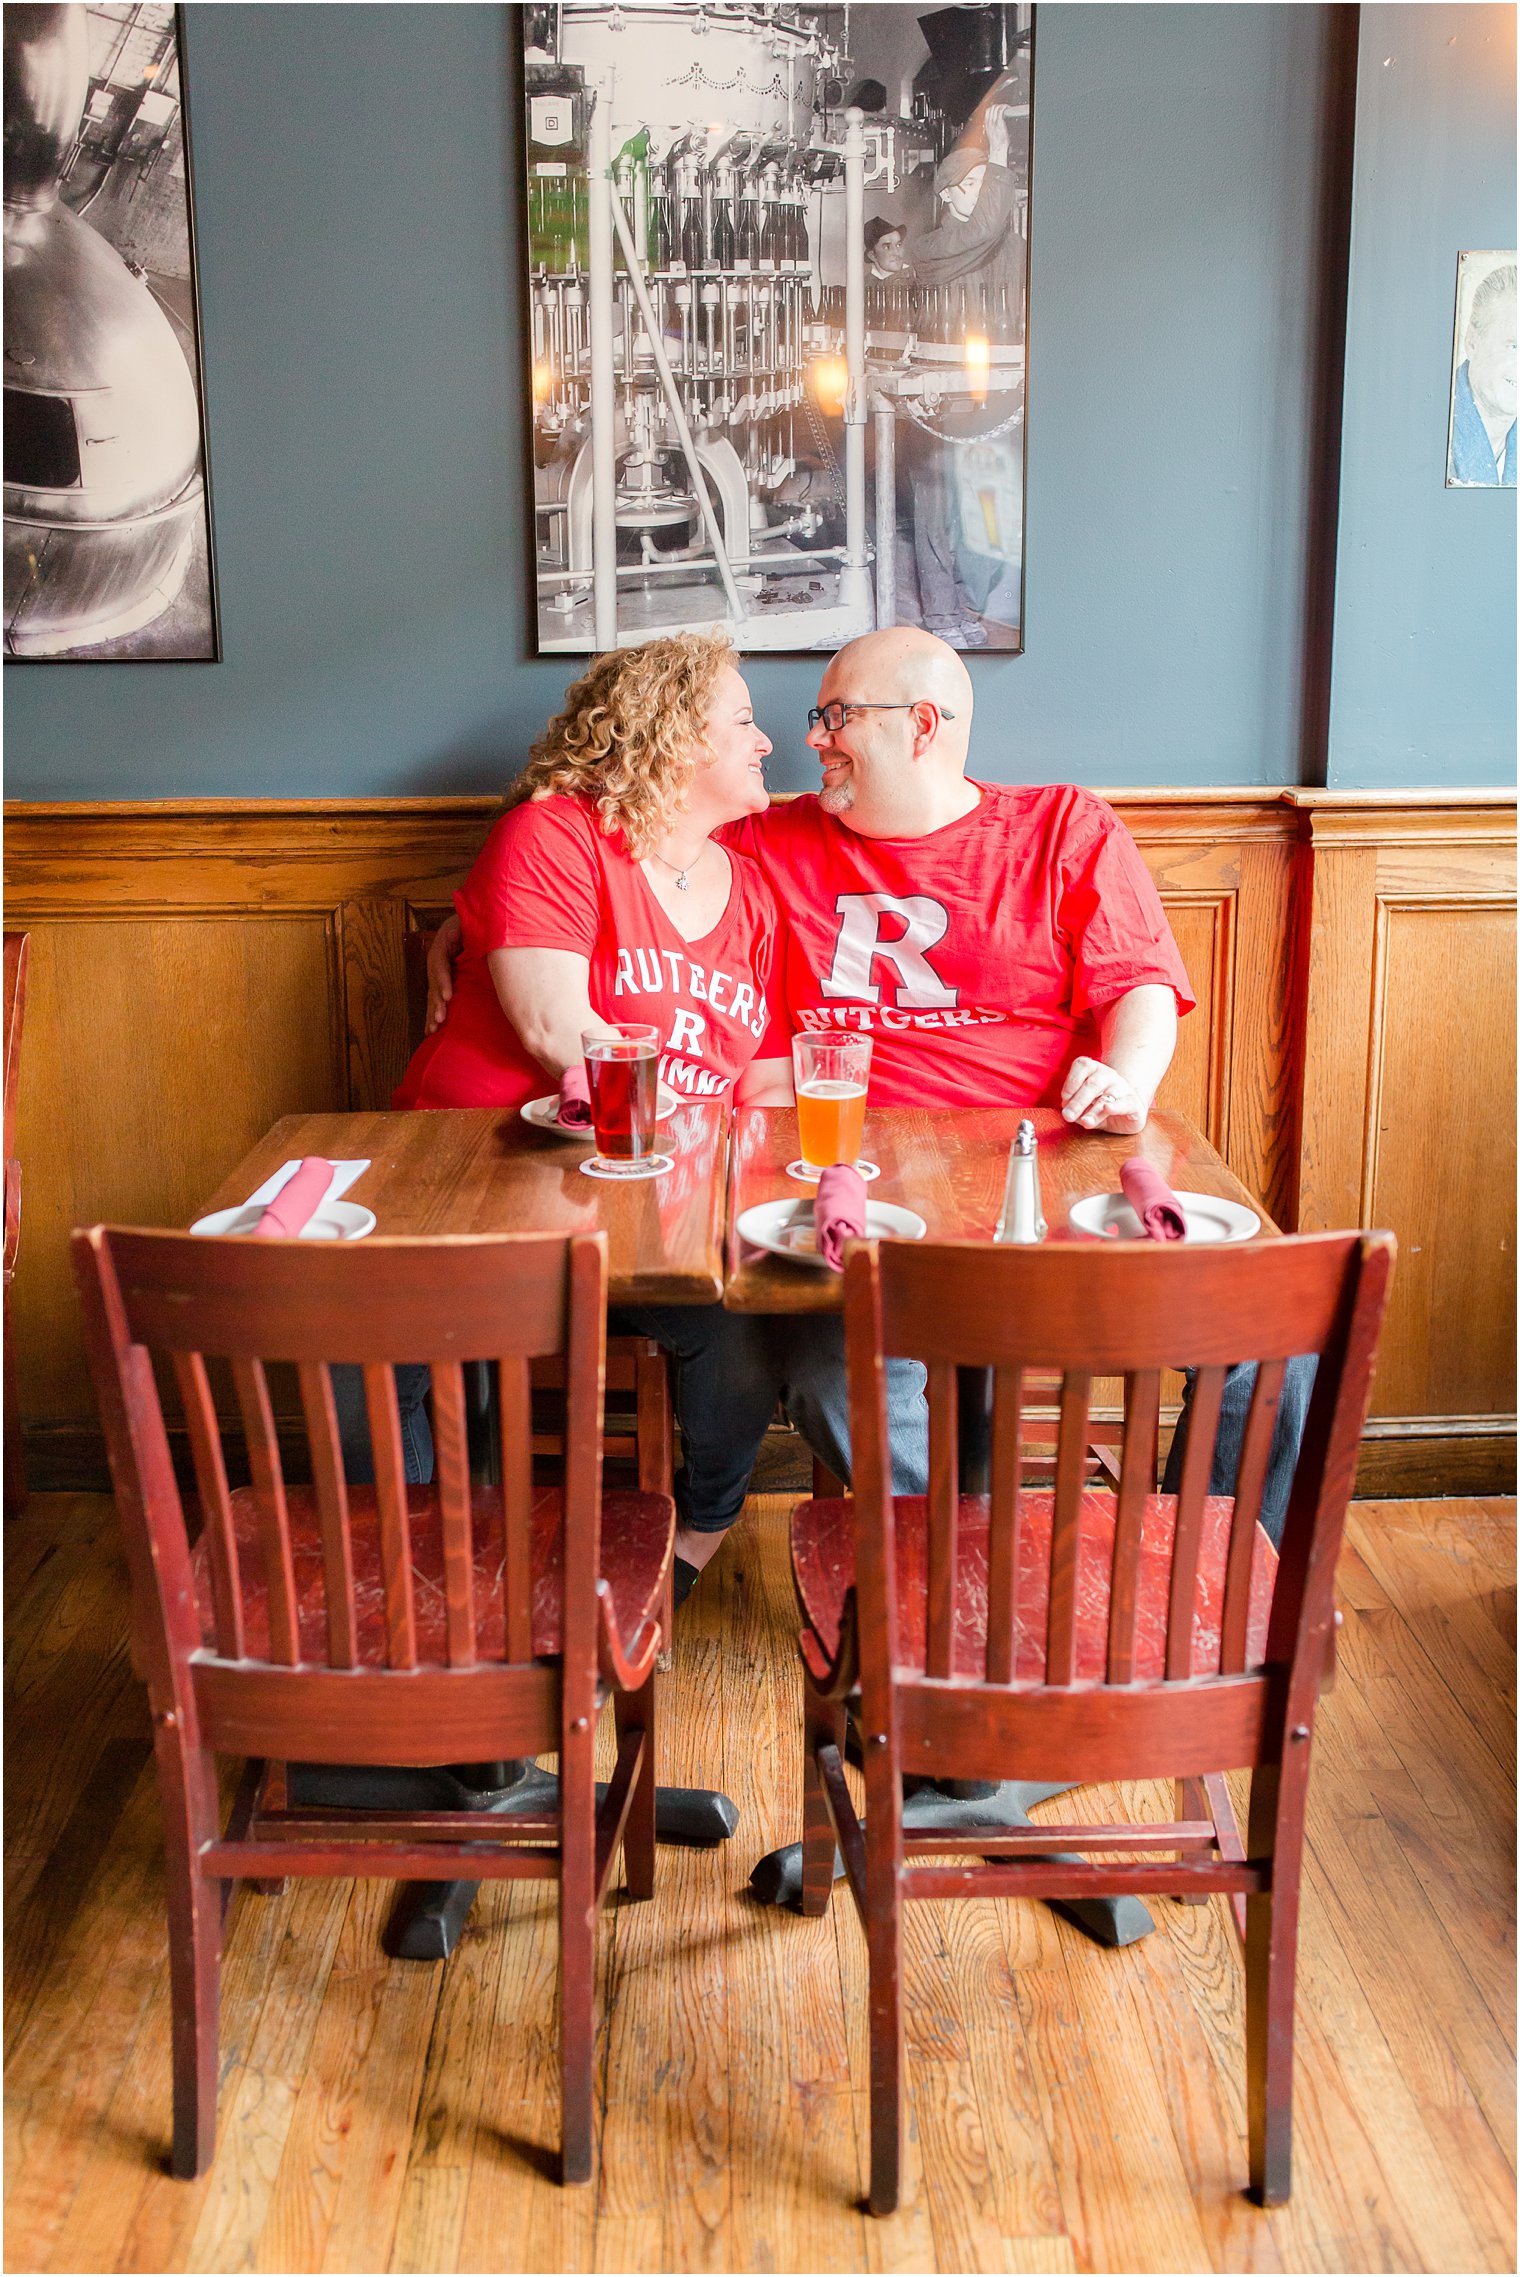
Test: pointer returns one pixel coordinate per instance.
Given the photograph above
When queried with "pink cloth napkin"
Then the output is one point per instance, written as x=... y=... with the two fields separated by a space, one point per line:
x=839 y=1213
x=1152 y=1200
x=574 y=1100
x=299 y=1199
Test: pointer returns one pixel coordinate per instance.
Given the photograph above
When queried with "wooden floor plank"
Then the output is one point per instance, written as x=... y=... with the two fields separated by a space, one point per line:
x=81 y=2028
x=1123 y=2193
x=1447 y=1601
x=791 y=2111
x=1427 y=2203
x=1069 y=2108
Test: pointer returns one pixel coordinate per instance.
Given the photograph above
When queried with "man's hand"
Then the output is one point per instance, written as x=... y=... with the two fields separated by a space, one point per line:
x=442 y=951
x=1101 y=1099
x=1137 y=1034
x=995 y=127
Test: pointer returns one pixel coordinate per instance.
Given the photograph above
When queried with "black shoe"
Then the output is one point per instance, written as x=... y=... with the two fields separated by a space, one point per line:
x=686 y=1578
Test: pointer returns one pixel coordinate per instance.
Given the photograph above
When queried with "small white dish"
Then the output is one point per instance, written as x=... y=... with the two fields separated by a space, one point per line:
x=543 y=1114
x=334 y=1221
x=786 y=1228
x=1209 y=1218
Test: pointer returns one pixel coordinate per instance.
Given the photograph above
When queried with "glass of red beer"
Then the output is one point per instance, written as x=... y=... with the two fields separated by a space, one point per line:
x=831 y=1073
x=622 y=1070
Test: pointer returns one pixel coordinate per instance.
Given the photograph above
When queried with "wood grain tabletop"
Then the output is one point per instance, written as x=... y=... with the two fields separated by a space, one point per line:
x=479 y=1170
x=949 y=1165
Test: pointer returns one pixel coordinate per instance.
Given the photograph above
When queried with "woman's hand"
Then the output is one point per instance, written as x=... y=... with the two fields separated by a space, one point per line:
x=442 y=950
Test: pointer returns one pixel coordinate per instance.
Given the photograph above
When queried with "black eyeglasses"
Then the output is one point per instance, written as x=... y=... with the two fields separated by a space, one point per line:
x=833 y=716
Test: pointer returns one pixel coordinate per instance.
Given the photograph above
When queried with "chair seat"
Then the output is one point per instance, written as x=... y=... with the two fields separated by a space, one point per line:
x=638 y=1532
x=823 y=1568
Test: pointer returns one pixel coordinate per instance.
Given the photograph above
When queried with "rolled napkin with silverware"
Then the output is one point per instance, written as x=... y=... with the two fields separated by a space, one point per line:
x=574 y=1100
x=1152 y=1200
x=839 y=1213
x=297 y=1202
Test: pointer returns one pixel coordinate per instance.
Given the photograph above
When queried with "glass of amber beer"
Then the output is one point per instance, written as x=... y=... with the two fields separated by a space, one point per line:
x=831 y=1073
x=622 y=1071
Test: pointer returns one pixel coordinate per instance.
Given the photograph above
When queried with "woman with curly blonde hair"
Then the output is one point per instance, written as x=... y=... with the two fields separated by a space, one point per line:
x=602 y=895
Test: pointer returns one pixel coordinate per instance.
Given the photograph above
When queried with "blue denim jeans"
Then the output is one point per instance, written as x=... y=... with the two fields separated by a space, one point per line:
x=1287 y=1438
x=817 y=1401
x=723 y=1390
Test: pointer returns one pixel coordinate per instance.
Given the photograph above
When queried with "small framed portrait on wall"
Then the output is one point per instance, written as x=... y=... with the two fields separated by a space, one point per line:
x=1480 y=438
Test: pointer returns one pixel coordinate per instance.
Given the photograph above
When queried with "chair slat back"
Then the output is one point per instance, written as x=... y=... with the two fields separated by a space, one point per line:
x=1137 y=1479
x=1187 y=1534
x=1066 y=1529
x=516 y=1395
x=944 y=1501
x=395 y=1524
x=1004 y=1547
x=331 y=1490
x=273 y=1514
x=510 y=1299
x=1129 y=1309
x=1250 y=1485
x=216 y=1502
x=451 y=1476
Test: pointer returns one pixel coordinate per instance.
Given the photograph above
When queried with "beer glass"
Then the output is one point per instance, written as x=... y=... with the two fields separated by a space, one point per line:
x=830 y=1073
x=622 y=1071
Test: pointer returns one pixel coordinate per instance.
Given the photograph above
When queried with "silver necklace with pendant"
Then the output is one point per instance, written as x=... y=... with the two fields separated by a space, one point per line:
x=682 y=877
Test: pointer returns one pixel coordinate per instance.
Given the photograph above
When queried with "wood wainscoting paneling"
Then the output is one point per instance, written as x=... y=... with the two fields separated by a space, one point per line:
x=1408 y=1114
x=198 y=970
x=202 y=967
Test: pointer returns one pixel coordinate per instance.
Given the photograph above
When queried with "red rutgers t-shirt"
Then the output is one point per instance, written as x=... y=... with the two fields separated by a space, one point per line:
x=549 y=877
x=976 y=958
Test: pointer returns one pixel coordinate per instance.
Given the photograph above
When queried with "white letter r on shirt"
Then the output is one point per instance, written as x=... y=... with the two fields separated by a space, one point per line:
x=859 y=943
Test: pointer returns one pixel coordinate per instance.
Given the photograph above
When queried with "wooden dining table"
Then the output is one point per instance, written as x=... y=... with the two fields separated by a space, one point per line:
x=673 y=1239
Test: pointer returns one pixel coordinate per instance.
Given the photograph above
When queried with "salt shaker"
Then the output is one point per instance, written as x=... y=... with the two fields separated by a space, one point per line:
x=1021 y=1219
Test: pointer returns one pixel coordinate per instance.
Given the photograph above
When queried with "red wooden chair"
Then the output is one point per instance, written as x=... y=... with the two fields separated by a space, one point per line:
x=1082 y=1634
x=377 y=1625
x=17 y=946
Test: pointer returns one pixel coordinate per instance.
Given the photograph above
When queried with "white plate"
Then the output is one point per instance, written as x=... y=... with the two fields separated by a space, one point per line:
x=786 y=1228
x=1209 y=1218
x=334 y=1221
x=543 y=1114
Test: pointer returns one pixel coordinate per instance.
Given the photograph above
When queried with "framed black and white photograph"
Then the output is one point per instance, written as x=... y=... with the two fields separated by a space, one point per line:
x=777 y=261
x=108 y=548
x=1480 y=440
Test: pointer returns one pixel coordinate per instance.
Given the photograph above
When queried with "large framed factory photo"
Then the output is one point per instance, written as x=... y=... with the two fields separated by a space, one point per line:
x=108 y=554
x=777 y=288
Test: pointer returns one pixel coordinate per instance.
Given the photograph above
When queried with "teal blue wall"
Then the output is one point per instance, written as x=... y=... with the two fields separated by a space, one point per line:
x=1423 y=683
x=356 y=175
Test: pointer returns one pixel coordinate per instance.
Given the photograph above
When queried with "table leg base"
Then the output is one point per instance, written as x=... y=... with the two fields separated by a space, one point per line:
x=777 y=1879
x=429 y=1917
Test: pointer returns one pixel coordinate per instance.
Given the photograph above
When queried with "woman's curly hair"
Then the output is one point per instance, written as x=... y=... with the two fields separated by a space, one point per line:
x=631 y=734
